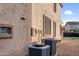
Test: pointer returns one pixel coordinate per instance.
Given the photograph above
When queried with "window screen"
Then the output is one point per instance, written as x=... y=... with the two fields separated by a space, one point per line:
x=46 y=25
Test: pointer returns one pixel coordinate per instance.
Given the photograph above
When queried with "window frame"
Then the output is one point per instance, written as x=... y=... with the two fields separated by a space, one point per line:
x=54 y=29
x=46 y=34
x=55 y=7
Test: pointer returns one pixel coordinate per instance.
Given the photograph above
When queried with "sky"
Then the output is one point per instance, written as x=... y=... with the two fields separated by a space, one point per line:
x=70 y=12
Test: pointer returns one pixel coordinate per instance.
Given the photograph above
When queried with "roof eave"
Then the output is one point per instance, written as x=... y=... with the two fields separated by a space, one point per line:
x=61 y=5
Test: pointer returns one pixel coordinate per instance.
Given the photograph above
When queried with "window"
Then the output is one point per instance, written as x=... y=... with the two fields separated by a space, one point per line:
x=60 y=30
x=46 y=26
x=55 y=8
x=5 y=31
x=54 y=29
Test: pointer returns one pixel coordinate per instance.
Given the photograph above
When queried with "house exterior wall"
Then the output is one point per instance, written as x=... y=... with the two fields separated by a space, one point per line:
x=11 y=14
x=58 y=22
x=71 y=28
x=68 y=28
x=38 y=10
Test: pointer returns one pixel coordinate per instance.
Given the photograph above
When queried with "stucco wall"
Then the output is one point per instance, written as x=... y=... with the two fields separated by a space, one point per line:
x=38 y=10
x=58 y=22
x=33 y=14
x=10 y=14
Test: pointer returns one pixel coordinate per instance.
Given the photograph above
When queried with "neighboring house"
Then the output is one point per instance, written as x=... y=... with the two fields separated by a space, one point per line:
x=71 y=26
x=21 y=24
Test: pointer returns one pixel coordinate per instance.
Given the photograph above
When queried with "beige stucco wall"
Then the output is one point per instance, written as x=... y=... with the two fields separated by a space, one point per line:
x=33 y=14
x=10 y=14
x=38 y=10
x=37 y=19
x=58 y=22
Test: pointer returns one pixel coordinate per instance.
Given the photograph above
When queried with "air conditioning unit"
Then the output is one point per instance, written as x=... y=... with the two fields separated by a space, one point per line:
x=52 y=42
x=39 y=50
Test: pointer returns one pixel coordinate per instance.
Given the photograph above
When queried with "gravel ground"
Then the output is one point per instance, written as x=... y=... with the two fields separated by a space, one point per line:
x=68 y=47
